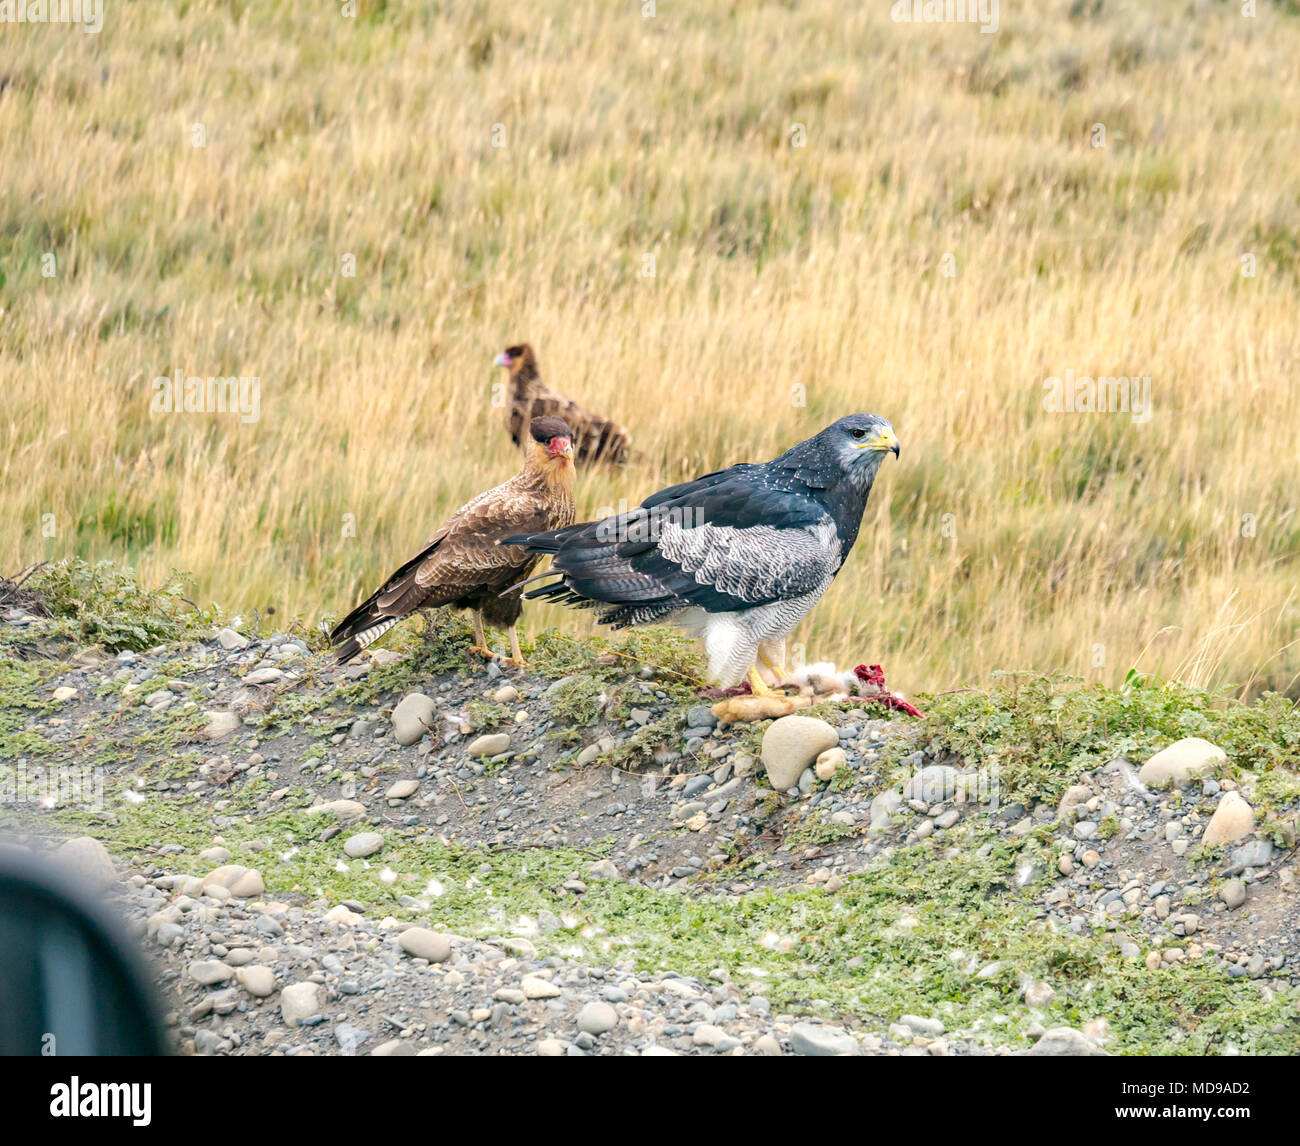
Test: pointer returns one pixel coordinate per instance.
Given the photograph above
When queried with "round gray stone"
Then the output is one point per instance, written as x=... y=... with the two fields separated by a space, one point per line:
x=597 y=1018
x=425 y=944
x=363 y=844
x=412 y=717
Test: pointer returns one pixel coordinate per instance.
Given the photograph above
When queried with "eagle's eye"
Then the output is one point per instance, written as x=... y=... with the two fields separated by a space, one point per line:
x=858 y=432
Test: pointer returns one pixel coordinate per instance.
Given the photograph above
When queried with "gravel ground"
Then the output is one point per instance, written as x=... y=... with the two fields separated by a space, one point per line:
x=257 y=955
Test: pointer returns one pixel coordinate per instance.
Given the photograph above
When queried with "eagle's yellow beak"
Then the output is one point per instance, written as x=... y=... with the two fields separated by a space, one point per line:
x=884 y=440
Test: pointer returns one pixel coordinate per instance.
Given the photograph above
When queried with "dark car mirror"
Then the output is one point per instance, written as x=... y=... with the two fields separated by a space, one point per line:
x=71 y=981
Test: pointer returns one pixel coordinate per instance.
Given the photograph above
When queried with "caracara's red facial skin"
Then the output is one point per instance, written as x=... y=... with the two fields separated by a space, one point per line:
x=559 y=446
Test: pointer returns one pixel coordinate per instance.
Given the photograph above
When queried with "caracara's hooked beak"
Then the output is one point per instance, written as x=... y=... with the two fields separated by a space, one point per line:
x=560 y=448
x=502 y=359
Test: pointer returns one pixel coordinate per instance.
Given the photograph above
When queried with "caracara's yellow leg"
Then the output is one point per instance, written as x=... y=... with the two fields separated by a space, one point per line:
x=516 y=653
x=756 y=685
x=480 y=640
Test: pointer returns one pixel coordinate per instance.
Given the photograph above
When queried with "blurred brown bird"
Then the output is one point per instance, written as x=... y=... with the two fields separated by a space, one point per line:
x=462 y=565
x=596 y=439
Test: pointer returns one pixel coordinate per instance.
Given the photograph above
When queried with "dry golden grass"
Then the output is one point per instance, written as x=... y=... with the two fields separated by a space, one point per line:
x=1006 y=537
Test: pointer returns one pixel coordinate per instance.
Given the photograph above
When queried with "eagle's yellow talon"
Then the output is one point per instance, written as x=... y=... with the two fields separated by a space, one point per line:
x=756 y=685
x=781 y=677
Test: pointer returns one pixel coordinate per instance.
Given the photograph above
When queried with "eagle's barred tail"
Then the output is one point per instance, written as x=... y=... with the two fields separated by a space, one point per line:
x=619 y=617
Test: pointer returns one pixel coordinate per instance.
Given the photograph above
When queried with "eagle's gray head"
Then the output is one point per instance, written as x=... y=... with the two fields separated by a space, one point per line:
x=858 y=444
x=846 y=453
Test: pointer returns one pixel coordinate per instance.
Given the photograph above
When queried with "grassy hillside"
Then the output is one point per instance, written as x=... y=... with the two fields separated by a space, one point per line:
x=791 y=284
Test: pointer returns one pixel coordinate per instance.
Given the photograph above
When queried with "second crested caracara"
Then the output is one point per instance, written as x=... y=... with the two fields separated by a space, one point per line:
x=462 y=565
x=595 y=439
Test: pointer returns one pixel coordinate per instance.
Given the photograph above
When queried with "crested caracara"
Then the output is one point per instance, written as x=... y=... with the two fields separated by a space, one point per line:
x=462 y=565
x=595 y=439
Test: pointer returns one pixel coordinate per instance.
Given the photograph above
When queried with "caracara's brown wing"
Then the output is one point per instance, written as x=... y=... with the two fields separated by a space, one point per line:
x=463 y=556
x=595 y=439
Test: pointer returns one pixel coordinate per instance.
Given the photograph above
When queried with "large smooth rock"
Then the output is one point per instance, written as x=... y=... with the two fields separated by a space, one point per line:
x=701 y=716
x=87 y=861
x=809 y=1039
x=344 y=811
x=932 y=785
x=243 y=882
x=363 y=844
x=537 y=988
x=342 y=915
x=209 y=971
x=425 y=944
x=1074 y=797
x=256 y=979
x=1062 y=1042
x=922 y=1025
x=393 y=1048
x=1039 y=994
x=1233 y=893
x=1233 y=820
x=229 y=639
x=412 y=717
x=1181 y=762
x=1254 y=854
x=830 y=762
x=219 y=726
x=791 y=744
x=491 y=745
x=300 y=1001
x=596 y=1018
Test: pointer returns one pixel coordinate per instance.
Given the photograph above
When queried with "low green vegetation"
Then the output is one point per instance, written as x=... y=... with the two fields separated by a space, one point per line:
x=1045 y=731
x=672 y=655
x=106 y=605
x=19 y=700
x=916 y=932
x=580 y=701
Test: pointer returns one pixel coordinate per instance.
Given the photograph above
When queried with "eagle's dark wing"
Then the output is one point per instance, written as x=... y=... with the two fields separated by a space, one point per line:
x=725 y=542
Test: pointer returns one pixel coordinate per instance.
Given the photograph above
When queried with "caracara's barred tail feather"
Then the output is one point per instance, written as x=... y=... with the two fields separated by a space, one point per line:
x=401 y=595
x=364 y=640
